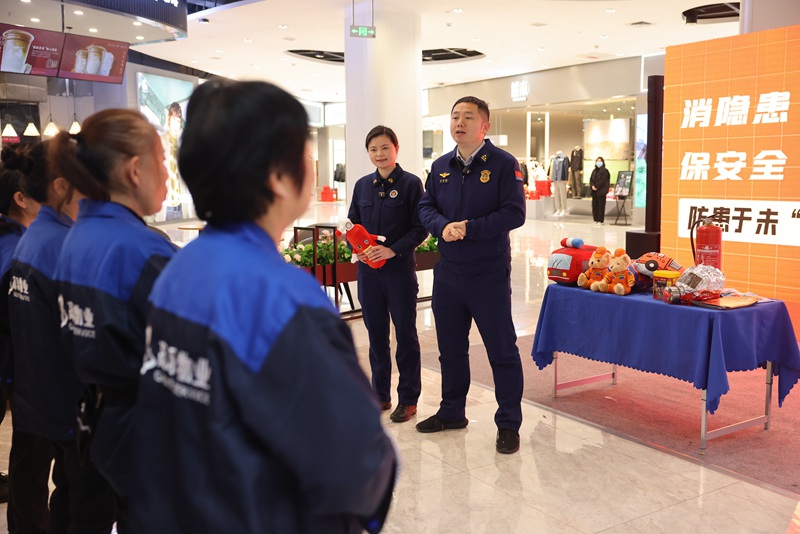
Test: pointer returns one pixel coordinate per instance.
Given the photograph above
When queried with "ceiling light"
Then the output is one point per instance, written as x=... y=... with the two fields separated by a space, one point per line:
x=93 y=30
x=283 y=26
x=633 y=107
x=284 y=59
x=137 y=23
x=541 y=49
x=140 y=38
x=545 y=66
x=218 y=51
x=476 y=39
x=51 y=129
x=319 y=55
x=458 y=10
x=78 y=12
x=9 y=130
x=604 y=110
x=620 y=54
x=31 y=131
x=24 y=2
x=75 y=127
x=619 y=109
x=246 y=40
x=604 y=37
x=194 y=61
x=610 y=10
x=203 y=20
x=34 y=19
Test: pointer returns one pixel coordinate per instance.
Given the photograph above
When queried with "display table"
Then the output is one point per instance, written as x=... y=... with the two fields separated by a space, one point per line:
x=697 y=345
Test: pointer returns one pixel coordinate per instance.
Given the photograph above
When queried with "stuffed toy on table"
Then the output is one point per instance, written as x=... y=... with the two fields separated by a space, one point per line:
x=598 y=268
x=566 y=264
x=620 y=277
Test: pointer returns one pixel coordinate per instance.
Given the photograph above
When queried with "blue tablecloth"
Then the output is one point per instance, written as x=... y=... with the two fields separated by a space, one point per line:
x=698 y=345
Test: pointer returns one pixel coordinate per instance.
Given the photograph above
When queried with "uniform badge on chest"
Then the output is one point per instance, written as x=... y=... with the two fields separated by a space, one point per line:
x=393 y=193
x=443 y=177
x=485 y=176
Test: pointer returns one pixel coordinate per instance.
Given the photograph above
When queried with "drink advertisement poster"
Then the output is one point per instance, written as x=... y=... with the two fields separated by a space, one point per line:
x=30 y=50
x=93 y=59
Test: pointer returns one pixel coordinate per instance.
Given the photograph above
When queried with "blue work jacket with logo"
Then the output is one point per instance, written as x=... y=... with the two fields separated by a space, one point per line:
x=489 y=195
x=107 y=266
x=46 y=387
x=10 y=233
x=389 y=208
x=253 y=413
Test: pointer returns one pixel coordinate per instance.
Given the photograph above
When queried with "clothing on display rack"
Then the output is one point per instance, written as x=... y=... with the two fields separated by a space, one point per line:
x=576 y=172
x=559 y=174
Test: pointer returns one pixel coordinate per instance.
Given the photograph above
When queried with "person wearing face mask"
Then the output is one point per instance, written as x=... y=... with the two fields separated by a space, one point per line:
x=385 y=203
x=599 y=182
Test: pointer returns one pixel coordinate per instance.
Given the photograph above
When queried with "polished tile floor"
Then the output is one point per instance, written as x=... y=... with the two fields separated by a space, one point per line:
x=569 y=476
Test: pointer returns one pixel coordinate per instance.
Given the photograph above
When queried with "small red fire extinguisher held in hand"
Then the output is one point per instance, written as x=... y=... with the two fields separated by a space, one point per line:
x=708 y=250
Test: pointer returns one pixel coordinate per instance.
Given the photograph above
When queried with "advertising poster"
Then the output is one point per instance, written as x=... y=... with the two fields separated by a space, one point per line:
x=93 y=59
x=30 y=50
x=163 y=101
x=732 y=150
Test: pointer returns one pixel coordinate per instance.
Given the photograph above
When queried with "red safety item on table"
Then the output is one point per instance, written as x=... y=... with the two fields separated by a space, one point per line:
x=708 y=245
x=544 y=188
x=360 y=240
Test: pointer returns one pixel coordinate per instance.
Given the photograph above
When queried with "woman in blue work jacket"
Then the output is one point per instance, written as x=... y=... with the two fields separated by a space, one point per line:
x=255 y=415
x=108 y=263
x=385 y=203
x=46 y=386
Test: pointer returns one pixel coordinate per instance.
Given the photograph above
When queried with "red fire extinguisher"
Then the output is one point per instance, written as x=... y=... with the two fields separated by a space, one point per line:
x=708 y=250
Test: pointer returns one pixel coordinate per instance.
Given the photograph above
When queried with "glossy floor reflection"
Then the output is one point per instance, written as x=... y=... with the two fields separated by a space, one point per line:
x=569 y=476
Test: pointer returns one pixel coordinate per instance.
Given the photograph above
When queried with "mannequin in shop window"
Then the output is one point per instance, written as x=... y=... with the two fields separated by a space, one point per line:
x=559 y=174
x=576 y=172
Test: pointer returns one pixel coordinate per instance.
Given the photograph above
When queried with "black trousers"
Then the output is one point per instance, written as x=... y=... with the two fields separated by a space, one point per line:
x=28 y=475
x=599 y=206
x=83 y=501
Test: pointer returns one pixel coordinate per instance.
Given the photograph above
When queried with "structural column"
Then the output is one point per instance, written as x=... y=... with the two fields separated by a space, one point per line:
x=383 y=85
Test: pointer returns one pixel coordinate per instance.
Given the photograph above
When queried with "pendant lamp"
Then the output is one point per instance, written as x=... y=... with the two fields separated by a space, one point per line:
x=51 y=129
x=9 y=130
x=75 y=127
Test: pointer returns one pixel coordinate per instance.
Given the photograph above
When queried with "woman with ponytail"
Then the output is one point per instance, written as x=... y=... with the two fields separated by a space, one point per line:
x=107 y=266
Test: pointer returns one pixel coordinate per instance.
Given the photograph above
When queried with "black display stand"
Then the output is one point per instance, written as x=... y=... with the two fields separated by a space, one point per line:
x=621 y=210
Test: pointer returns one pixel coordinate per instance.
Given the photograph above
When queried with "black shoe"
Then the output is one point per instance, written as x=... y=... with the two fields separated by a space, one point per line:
x=434 y=424
x=386 y=406
x=507 y=441
x=403 y=413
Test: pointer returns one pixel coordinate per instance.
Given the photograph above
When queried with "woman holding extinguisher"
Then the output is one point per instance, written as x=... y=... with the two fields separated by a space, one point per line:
x=385 y=203
x=599 y=182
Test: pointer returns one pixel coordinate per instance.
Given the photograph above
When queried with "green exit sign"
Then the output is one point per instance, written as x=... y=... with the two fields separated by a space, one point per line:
x=362 y=31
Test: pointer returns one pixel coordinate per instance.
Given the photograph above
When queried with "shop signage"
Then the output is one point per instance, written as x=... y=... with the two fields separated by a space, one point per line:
x=93 y=59
x=30 y=50
x=520 y=90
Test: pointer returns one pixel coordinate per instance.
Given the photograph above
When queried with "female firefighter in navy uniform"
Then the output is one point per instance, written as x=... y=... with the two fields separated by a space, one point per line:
x=385 y=203
x=255 y=415
x=106 y=269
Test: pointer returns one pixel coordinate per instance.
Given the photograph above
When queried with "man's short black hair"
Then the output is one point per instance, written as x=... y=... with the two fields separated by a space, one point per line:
x=483 y=107
x=236 y=134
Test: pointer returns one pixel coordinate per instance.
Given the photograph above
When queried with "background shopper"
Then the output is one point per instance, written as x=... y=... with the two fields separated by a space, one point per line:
x=107 y=266
x=258 y=416
x=385 y=203
x=473 y=199
x=599 y=182
x=46 y=386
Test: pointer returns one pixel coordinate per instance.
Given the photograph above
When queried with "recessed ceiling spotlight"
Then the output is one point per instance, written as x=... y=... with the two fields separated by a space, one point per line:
x=633 y=107
x=619 y=54
x=610 y=10
x=78 y=12
x=34 y=19
x=203 y=20
x=218 y=51
x=137 y=23
x=93 y=30
x=284 y=59
x=458 y=10
x=619 y=109
x=139 y=38
x=545 y=66
x=247 y=40
x=604 y=111
x=283 y=26
x=194 y=61
x=541 y=49
x=604 y=37
x=476 y=39
x=26 y=1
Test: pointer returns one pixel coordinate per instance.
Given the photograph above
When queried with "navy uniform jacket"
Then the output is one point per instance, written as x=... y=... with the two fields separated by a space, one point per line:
x=46 y=387
x=253 y=413
x=107 y=266
x=394 y=216
x=489 y=195
x=10 y=233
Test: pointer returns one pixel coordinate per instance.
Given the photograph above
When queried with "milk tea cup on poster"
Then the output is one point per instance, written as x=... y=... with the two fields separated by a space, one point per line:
x=80 y=62
x=94 y=58
x=106 y=64
x=16 y=44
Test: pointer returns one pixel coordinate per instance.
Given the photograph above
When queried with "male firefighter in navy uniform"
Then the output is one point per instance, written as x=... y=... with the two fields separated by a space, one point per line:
x=474 y=197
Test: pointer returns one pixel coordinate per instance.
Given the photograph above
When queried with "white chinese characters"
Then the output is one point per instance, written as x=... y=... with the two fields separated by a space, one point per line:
x=772 y=108
x=177 y=371
x=767 y=165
